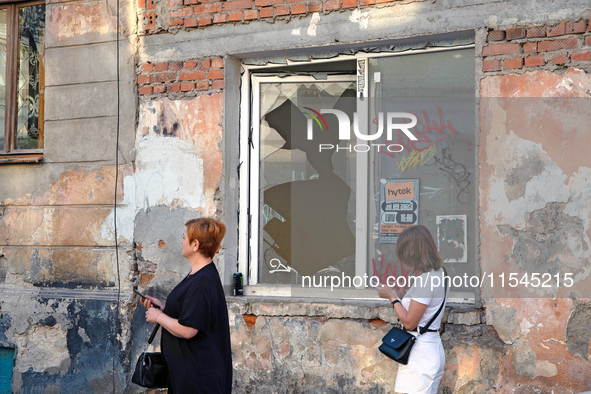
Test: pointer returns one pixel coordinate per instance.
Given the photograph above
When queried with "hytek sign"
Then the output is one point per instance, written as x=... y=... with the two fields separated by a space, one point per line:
x=345 y=129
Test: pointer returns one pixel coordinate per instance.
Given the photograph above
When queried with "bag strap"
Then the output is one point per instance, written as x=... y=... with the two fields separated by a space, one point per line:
x=424 y=329
x=155 y=330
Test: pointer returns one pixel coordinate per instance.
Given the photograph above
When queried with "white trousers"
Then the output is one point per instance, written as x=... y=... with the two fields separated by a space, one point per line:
x=425 y=366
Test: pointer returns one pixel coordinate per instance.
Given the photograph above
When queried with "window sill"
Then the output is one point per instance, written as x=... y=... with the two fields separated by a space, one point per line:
x=274 y=292
x=21 y=158
x=330 y=308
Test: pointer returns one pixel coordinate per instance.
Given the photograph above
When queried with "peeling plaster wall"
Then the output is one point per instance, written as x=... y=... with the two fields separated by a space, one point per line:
x=535 y=182
x=58 y=264
x=178 y=154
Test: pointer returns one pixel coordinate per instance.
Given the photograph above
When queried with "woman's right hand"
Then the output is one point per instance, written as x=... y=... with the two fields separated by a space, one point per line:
x=148 y=301
x=387 y=292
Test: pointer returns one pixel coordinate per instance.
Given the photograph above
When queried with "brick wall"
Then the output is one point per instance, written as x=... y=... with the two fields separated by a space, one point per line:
x=200 y=13
x=185 y=78
x=561 y=44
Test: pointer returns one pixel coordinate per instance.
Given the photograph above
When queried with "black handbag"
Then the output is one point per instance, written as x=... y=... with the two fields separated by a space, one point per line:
x=151 y=370
x=398 y=342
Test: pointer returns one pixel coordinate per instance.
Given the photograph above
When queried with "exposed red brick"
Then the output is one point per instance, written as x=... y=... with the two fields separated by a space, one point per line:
x=159 y=67
x=496 y=35
x=562 y=43
x=534 y=61
x=175 y=3
x=215 y=74
x=250 y=320
x=147 y=68
x=217 y=84
x=161 y=244
x=174 y=87
x=237 y=5
x=384 y=1
x=556 y=30
x=281 y=10
x=145 y=90
x=580 y=56
x=205 y=64
x=175 y=66
x=536 y=32
x=266 y=12
x=500 y=49
x=317 y=7
x=163 y=77
x=348 y=3
x=491 y=65
x=149 y=18
x=141 y=4
x=186 y=86
x=210 y=8
x=159 y=89
x=181 y=12
x=177 y=22
x=205 y=20
x=220 y=18
x=265 y=3
x=367 y=2
x=146 y=278
x=191 y=22
x=150 y=4
x=331 y=5
x=192 y=76
x=513 y=63
x=560 y=59
x=217 y=63
x=530 y=47
x=143 y=79
x=576 y=27
x=515 y=33
x=235 y=16
x=588 y=41
x=292 y=1
x=378 y=323
x=202 y=85
x=251 y=14
x=190 y=65
x=298 y=9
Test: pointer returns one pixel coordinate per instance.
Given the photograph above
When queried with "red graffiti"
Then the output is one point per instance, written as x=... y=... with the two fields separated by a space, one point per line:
x=390 y=270
x=429 y=135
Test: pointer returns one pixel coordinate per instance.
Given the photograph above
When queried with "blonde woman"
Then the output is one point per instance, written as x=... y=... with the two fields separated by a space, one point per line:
x=416 y=307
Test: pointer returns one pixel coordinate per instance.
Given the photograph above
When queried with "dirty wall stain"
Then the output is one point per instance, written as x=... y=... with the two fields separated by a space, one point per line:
x=196 y=122
x=72 y=20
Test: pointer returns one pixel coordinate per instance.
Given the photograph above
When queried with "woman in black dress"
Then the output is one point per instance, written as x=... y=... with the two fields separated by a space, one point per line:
x=196 y=333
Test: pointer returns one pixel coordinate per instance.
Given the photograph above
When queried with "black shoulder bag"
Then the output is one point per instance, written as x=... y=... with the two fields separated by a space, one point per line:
x=398 y=342
x=151 y=370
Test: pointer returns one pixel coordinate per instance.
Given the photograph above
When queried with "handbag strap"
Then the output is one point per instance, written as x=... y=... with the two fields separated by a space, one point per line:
x=425 y=328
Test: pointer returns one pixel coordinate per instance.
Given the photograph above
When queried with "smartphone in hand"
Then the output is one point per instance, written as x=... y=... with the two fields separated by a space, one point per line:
x=144 y=297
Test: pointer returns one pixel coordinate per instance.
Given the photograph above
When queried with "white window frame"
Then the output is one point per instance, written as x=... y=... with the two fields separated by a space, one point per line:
x=249 y=175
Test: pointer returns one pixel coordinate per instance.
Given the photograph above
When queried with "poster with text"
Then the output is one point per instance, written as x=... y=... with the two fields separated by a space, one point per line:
x=399 y=207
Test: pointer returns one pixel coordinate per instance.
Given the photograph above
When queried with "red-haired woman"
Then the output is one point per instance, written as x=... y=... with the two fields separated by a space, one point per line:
x=415 y=308
x=196 y=334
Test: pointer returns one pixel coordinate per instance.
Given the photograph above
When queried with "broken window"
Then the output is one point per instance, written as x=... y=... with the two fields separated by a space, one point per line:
x=343 y=156
x=22 y=75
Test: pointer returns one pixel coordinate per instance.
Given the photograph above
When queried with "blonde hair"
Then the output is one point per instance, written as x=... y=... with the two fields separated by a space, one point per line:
x=416 y=248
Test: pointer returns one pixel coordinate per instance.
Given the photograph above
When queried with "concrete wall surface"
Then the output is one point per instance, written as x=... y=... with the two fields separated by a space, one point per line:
x=178 y=154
